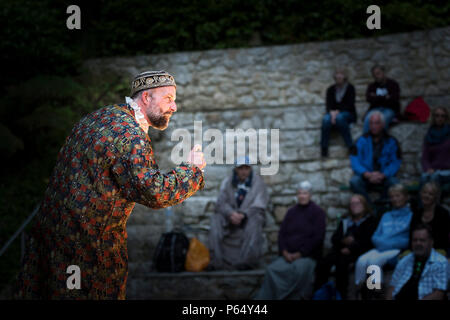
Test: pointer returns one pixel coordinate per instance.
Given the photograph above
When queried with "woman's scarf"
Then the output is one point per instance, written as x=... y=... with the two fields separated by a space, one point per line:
x=436 y=135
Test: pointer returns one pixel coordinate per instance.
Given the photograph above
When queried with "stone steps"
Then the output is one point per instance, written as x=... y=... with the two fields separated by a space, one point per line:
x=213 y=285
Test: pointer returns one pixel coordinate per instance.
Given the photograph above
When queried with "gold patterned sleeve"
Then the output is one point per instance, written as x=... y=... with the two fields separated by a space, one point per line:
x=147 y=185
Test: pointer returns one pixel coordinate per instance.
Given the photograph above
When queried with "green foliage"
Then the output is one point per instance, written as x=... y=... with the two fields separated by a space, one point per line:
x=36 y=39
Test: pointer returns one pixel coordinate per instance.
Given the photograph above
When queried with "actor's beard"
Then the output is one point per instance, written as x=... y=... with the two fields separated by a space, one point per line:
x=159 y=121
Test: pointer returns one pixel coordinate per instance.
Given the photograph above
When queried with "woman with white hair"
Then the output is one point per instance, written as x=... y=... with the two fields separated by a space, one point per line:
x=300 y=240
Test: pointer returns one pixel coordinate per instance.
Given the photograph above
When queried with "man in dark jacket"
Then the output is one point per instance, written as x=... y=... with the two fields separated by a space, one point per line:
x=375 y=159
x=383 y=95
x=351 y=239
x=340 y=111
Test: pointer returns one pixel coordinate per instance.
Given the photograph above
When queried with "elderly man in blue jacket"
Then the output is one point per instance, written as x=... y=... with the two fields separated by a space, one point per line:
x=375 y=159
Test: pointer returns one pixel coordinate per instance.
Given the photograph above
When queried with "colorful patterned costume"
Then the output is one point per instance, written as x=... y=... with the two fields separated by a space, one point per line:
x=104 y=168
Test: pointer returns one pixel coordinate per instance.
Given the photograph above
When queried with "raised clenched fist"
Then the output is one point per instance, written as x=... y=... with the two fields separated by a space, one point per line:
x=196 y=157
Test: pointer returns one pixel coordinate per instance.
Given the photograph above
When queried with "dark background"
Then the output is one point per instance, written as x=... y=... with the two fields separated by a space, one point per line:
x=44 y=89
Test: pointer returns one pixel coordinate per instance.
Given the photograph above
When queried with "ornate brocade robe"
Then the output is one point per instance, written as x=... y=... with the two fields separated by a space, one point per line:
x=105 y=166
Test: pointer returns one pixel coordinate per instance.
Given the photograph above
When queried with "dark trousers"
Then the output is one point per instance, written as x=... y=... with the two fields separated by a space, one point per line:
x=343 y=121
x=360 y=185
x=342 y=263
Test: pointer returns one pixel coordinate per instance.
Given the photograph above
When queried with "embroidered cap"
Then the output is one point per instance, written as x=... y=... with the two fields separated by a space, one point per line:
x=151 y=79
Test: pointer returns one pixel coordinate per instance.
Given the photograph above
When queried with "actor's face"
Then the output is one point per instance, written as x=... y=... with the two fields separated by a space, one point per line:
x=303 y=197
x=339 y=77
x=428 y=196
x=243 y=172
x=160 y=105
x=421 y=243
x=375 y=125
x=398 y=199
x=356 y=206
x=378 y=75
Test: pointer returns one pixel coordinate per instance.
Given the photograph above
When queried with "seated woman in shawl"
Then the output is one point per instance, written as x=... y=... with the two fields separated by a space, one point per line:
x=390 y=237
x=300 y=241
x=235 y=237
x=436 y=149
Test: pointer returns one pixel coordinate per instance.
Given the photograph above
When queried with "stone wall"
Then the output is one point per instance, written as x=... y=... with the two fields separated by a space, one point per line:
x=283 y=87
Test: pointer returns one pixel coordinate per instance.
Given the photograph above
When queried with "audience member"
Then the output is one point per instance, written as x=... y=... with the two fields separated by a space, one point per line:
x=383 y=95
x=300 y=242
x=422 y=274
x=235 y=238
x=351 y=239
x=340 y=111
x=436 y=149
x=390 y=237
x=430 y=212
x=375 y=158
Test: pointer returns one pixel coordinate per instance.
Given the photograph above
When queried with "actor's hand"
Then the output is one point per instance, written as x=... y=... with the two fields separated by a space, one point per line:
x=345 y=251
x=430 y=171
x=196 y=157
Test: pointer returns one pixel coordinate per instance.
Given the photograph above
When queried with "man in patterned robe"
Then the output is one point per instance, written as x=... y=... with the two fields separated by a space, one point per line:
x=105 y=166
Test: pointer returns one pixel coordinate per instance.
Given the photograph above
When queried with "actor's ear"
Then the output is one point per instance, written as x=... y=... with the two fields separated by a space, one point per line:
x=144 y=96
x=147 y=97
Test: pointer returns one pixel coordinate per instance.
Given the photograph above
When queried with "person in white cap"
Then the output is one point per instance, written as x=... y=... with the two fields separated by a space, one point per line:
x=300 y=241
x=235 y=238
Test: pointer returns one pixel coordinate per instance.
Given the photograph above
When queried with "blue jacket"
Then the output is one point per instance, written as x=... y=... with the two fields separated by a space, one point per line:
x=361 y=157
x=393 y=230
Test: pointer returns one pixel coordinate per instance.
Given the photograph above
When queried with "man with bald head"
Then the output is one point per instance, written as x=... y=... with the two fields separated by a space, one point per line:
x=105 y=167
x=375 y=158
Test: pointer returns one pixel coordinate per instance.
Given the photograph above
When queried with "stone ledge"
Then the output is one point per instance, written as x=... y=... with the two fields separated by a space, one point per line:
x=208 y=274
x=214 y=285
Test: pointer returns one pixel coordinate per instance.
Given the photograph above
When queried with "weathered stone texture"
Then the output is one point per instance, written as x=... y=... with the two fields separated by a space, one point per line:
x=283 y=87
